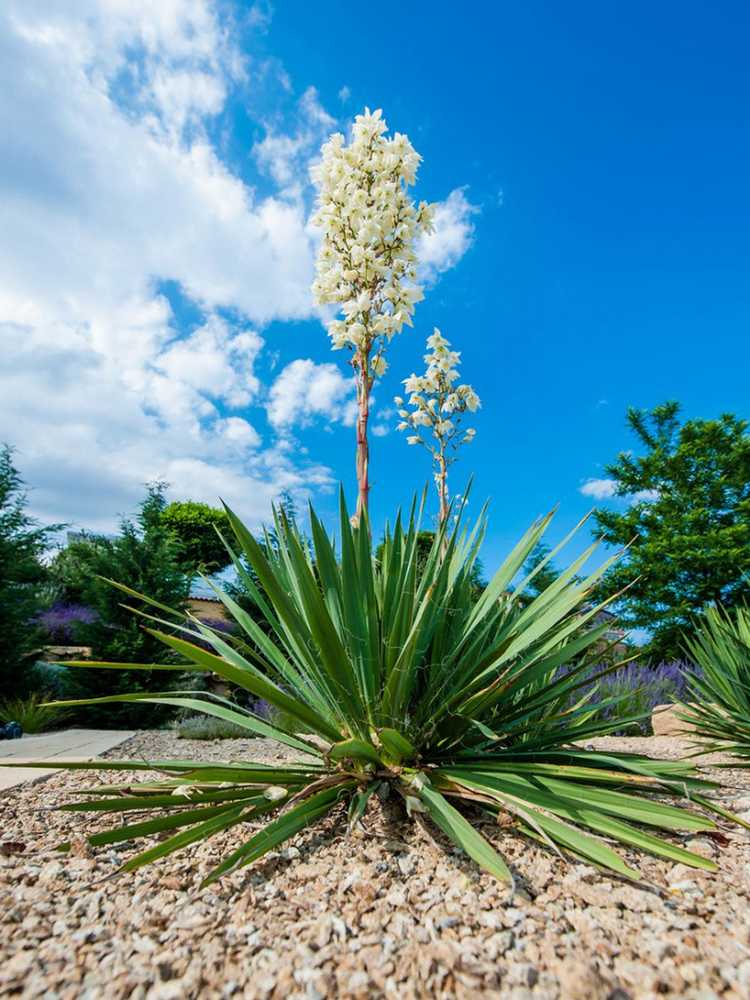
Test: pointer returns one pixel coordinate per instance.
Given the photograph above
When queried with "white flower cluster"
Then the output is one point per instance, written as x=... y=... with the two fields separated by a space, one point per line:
x=438 y=403
x=366 y=262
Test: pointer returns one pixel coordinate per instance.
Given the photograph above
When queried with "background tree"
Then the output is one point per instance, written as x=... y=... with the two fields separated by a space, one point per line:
x=195 y=526
x=147 y=557
x=22 y=579
x=545 y=576
x=689 y=517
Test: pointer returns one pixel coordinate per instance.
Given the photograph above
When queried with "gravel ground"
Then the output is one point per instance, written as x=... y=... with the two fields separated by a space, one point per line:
x=388 y=911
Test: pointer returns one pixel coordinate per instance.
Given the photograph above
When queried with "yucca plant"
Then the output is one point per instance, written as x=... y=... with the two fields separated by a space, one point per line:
x=411 y=684
x=718 y=707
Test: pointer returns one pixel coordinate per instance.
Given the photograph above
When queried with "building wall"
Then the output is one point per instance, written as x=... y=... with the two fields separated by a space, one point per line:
x=207 y=607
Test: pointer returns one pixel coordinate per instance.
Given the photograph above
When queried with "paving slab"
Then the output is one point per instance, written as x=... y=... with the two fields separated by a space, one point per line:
x=67 y=745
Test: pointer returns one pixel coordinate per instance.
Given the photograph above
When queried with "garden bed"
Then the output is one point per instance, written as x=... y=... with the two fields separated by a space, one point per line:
x=387 y=911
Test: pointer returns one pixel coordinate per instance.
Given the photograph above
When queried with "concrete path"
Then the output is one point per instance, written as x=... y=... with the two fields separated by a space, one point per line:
x=69 y=744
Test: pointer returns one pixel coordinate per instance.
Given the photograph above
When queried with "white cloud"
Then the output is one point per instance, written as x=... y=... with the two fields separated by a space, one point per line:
x=215 y=360
x=383 y=425
x=285 y=157
x=305 y=390
x=87 y=444
x=344 y=94
x=238 y=432
x=452 y=236
x=606 y=489
x=169 y=63
x=645 y=496
x=110 y=185
x=105 y=191
x=599 y=489
x=114 y=190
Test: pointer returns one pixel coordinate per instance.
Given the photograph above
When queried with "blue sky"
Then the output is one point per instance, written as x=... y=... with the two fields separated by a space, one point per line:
x=592 y=161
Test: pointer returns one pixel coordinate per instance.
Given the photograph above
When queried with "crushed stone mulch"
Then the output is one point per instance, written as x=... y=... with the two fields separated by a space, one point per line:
x=391 y=910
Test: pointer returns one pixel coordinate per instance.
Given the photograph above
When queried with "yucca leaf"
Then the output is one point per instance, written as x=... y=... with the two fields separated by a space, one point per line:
x=582 y=845
x=201 y=831
x=251 y=681
x=507 y=571
x=396 y=746
x=174 y=612
x=279 y=830
x=238 y=772
x=550 y=812
x=180 y=668
x=358 y=749
x=245 y=720
x=289 y=625
x=718 y=710
x=129 y=803
x=627 y=806
x=358 y=804
x=149 y=827
x=274 y=657
x=458 y=829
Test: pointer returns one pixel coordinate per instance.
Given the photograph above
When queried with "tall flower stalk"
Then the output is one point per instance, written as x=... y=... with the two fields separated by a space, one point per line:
x=367 y=263
x=438 y=405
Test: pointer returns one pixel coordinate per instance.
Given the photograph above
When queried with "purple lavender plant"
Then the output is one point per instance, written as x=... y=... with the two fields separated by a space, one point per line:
x=260 y=708
x=218 y=625
x=60 y=621
x=639 y=688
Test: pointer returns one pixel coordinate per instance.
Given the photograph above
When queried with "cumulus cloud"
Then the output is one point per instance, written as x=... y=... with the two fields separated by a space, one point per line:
x=111 y=187
x=114 y=190
x=599 y=489
x=452 y=236
x=101 y=193
x=606 y=489
x=216 y=360
x=238 y=432
x=305 y=390
x=645 y=496
x=87 y=443
x=383 y=425
x=285 y=157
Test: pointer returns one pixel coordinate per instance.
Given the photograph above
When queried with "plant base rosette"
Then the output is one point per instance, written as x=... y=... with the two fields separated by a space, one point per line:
x=390 y=672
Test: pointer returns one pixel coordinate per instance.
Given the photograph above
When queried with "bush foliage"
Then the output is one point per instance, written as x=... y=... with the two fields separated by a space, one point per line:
x=31 y=714
x=688 y=519
x=196 y=528
x=22 y=579
x=145 y=553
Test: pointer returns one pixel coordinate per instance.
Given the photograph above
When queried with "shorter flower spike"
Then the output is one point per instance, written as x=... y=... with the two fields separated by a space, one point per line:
x=438 y=403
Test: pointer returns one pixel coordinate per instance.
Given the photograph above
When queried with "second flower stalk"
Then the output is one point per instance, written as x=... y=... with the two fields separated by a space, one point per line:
x=437 y=404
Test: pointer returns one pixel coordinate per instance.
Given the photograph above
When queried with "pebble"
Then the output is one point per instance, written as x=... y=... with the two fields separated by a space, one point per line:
x=702 y=846
x=407 y=865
